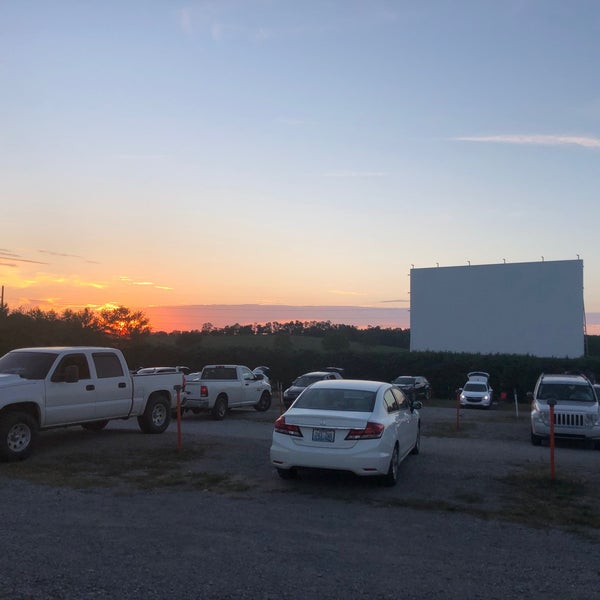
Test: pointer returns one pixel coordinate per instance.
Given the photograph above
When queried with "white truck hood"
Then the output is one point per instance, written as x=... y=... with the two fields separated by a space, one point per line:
x=11 y=380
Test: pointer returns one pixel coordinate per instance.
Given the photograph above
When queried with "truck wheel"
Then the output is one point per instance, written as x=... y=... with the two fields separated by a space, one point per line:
x=264 y=403
x=95 y=425
x=219 y=410
x=18 y=434
x=157 y=415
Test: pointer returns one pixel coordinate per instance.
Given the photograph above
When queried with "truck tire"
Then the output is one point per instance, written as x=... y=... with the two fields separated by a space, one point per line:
x=157 y=415
x=18 y=434
x=95 y=425
x=264 y=403
x=219 y=410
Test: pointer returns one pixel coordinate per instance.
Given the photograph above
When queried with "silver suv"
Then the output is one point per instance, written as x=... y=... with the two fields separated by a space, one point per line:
x=576 y=412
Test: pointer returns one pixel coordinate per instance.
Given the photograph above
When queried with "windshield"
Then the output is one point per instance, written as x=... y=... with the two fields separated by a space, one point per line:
x=28 y=365
x=566 y=391
x=332 y=399
x=475 y=387
x=405 y=380
x=306 y=380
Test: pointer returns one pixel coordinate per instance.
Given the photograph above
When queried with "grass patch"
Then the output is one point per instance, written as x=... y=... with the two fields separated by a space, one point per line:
x=448 y=429
x=539 y=501
x=151 y=469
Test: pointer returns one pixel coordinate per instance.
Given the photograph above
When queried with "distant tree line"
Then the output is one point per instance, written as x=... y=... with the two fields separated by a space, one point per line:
x=371 y=353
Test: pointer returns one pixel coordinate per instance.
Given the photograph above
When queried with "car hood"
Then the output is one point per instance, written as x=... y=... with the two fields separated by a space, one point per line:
x=294 y=390
x=9 y=380
x=574 y=406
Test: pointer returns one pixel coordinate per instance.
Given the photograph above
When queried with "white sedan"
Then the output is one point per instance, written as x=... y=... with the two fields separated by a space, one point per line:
x=366 y=427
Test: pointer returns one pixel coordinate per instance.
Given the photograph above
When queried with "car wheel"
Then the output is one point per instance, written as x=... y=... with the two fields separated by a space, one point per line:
x=264 y=403
x=219 y=410
x=18 y=433
x=157 y=414
x=391 y=478
x=417 y=447
x=95 y=425
x=287 y=473
x=536 y=440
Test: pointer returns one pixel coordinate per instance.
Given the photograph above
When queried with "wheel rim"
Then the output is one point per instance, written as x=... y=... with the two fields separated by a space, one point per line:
x=222 y=410
x=159 y=414
x=19 y=437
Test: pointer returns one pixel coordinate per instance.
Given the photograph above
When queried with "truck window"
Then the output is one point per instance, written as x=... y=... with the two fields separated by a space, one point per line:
x=70 y=360
x=219 y=373
x=107 y=365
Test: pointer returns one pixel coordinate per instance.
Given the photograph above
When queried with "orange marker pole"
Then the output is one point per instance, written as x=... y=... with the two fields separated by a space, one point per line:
x=551 y=439
x=178 y=390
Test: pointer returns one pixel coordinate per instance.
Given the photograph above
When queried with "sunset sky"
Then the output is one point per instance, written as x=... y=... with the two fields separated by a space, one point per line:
x=270 y=152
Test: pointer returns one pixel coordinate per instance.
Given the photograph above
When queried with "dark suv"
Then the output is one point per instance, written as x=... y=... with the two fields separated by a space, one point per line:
x=301 y=383
x=414 y=386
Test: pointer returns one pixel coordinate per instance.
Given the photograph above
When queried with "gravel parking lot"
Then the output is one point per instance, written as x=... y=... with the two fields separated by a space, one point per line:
x=122 y=514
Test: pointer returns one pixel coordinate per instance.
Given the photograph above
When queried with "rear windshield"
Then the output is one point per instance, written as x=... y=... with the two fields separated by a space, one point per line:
x=565 y=391
x=306 y=380
x=219 y=373
x=332 y=399
x=475 y=387
x=405 y=380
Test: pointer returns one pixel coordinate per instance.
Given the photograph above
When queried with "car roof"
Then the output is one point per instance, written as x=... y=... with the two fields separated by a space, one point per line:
x=319 y=373
x=350 y=384
x=563 y=378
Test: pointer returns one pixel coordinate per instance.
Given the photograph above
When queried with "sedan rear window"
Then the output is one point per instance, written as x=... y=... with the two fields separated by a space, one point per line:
x=331 y=399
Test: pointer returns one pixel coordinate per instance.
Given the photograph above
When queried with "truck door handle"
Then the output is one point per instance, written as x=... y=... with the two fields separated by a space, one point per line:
x=90 y=387
x=122 y=384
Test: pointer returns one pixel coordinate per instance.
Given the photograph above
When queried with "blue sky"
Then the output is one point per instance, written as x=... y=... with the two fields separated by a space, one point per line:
x=274 y=152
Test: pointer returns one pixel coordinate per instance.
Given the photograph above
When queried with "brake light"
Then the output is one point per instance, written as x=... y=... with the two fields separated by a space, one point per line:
x=203 y=391
x=282 y=427
x=372 y=431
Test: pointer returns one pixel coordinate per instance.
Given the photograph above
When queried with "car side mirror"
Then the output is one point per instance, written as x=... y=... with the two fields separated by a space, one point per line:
x=416 y=405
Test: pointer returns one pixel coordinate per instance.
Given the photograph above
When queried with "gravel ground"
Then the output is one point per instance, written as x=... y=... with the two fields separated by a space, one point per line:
x=441 y=532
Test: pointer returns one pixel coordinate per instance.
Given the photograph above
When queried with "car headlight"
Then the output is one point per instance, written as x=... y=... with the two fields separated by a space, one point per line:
x=541 y=416
x=463 y=397
x=592 y=419
x=486 y=397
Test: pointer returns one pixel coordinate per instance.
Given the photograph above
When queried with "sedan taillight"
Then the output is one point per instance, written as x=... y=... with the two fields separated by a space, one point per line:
x=372 y=431
x=282 y=427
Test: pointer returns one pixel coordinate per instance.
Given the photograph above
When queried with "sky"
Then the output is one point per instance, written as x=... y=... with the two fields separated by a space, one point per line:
x=278 y=153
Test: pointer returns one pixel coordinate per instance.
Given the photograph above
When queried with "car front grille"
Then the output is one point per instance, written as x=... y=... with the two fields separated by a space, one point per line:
x=568 y=419
x=473 y=399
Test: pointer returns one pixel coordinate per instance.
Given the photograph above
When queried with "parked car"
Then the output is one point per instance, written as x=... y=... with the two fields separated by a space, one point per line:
x=576 y=409
x=415 y=385
x=366 y=427
x=154 y=370
x=477 y=390
x=302 y=382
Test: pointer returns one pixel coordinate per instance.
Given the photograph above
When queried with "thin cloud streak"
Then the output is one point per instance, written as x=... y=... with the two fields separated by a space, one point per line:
x=535 y=140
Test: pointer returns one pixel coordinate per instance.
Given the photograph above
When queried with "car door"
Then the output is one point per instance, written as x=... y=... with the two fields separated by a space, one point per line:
x=407 y=424
x=251 y=387
x=113 y=386
x=70 y=401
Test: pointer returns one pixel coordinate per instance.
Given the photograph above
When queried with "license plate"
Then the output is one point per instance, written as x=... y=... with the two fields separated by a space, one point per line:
x=323 y=435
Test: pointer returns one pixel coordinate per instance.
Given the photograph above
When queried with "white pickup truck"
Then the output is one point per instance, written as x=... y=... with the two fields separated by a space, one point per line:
x=42 y=388
x=220 y=387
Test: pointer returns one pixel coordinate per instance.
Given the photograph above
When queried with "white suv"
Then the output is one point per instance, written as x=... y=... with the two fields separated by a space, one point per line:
x=477 y=390
x=576 y=412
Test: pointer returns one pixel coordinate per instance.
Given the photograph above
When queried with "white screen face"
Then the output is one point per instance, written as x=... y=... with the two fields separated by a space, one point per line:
x=522 y=308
